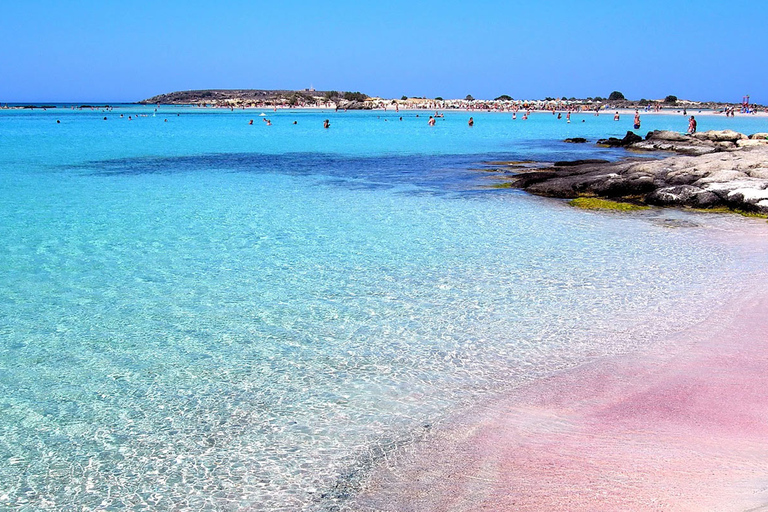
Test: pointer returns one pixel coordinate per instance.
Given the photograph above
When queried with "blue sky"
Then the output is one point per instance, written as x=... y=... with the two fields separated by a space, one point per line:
x=126 y=51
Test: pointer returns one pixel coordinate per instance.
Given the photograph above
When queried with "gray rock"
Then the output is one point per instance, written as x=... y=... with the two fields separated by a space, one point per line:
x=667 y=135
x=745 y=143
x=690 y=147
x=573 y=163
x=685 y=195
x=736 y=178
x=664 y=140
x=719 y=136
x=629 y=138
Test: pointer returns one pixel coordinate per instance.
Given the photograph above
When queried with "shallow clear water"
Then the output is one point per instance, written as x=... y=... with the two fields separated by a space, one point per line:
x=202 y=314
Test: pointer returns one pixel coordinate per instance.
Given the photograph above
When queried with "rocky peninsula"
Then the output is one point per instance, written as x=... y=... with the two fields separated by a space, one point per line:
x=714 y=169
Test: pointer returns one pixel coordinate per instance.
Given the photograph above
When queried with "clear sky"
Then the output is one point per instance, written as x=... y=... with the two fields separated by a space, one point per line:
x=111 y=51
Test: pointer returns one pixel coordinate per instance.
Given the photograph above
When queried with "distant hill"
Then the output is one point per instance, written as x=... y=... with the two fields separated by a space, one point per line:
x=238 y=96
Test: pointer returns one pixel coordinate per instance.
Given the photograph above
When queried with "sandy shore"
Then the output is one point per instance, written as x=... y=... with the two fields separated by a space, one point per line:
x=681 y=428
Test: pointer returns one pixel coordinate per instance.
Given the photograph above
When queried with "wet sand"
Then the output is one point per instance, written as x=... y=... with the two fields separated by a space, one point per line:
x=682 y=427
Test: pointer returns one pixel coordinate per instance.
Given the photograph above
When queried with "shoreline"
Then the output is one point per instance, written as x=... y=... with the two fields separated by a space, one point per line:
x=708 y=170
x=623 y=111
x=679 y=426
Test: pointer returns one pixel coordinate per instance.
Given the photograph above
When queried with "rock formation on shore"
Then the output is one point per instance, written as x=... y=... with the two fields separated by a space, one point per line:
x=715 y=169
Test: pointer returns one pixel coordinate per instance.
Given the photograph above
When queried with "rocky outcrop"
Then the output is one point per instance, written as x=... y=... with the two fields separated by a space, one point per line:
x=629 y=139
x=736 y=179
x=662 y=140
x=358 y=105
x=702 y=143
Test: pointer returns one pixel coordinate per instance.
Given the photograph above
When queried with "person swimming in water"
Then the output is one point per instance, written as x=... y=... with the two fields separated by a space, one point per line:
x=692 y=125
x=326 y=124
x=471 y=122
x=431 y=121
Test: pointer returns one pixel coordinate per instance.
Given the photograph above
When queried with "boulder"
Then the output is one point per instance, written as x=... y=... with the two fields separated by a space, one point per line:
x=746 y=143
x=749 y=199
x=724 y=189
x=576 y=140
x=622 y=186
x=689 y=147
x=758 y=173
x=719 y=136
x=720 y=177
x=725 y=145
x=358 y=105
x=683 y=195
x=667 y=135
x=629 y=138
x=760 y=136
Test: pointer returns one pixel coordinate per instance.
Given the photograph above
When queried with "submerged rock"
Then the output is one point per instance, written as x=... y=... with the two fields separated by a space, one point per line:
x=571 y=163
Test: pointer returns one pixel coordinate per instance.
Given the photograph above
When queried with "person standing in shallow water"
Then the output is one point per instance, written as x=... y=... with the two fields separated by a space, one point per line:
x=692 y=125
x=637 y=120
x=326 y=124
x=471 y=122
x=431 y=121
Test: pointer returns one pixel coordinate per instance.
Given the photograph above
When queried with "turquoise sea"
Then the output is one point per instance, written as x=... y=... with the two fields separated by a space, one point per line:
x=201 y=314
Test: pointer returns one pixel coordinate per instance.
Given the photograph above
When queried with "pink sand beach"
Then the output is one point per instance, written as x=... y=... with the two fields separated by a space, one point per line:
x=679 y=427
